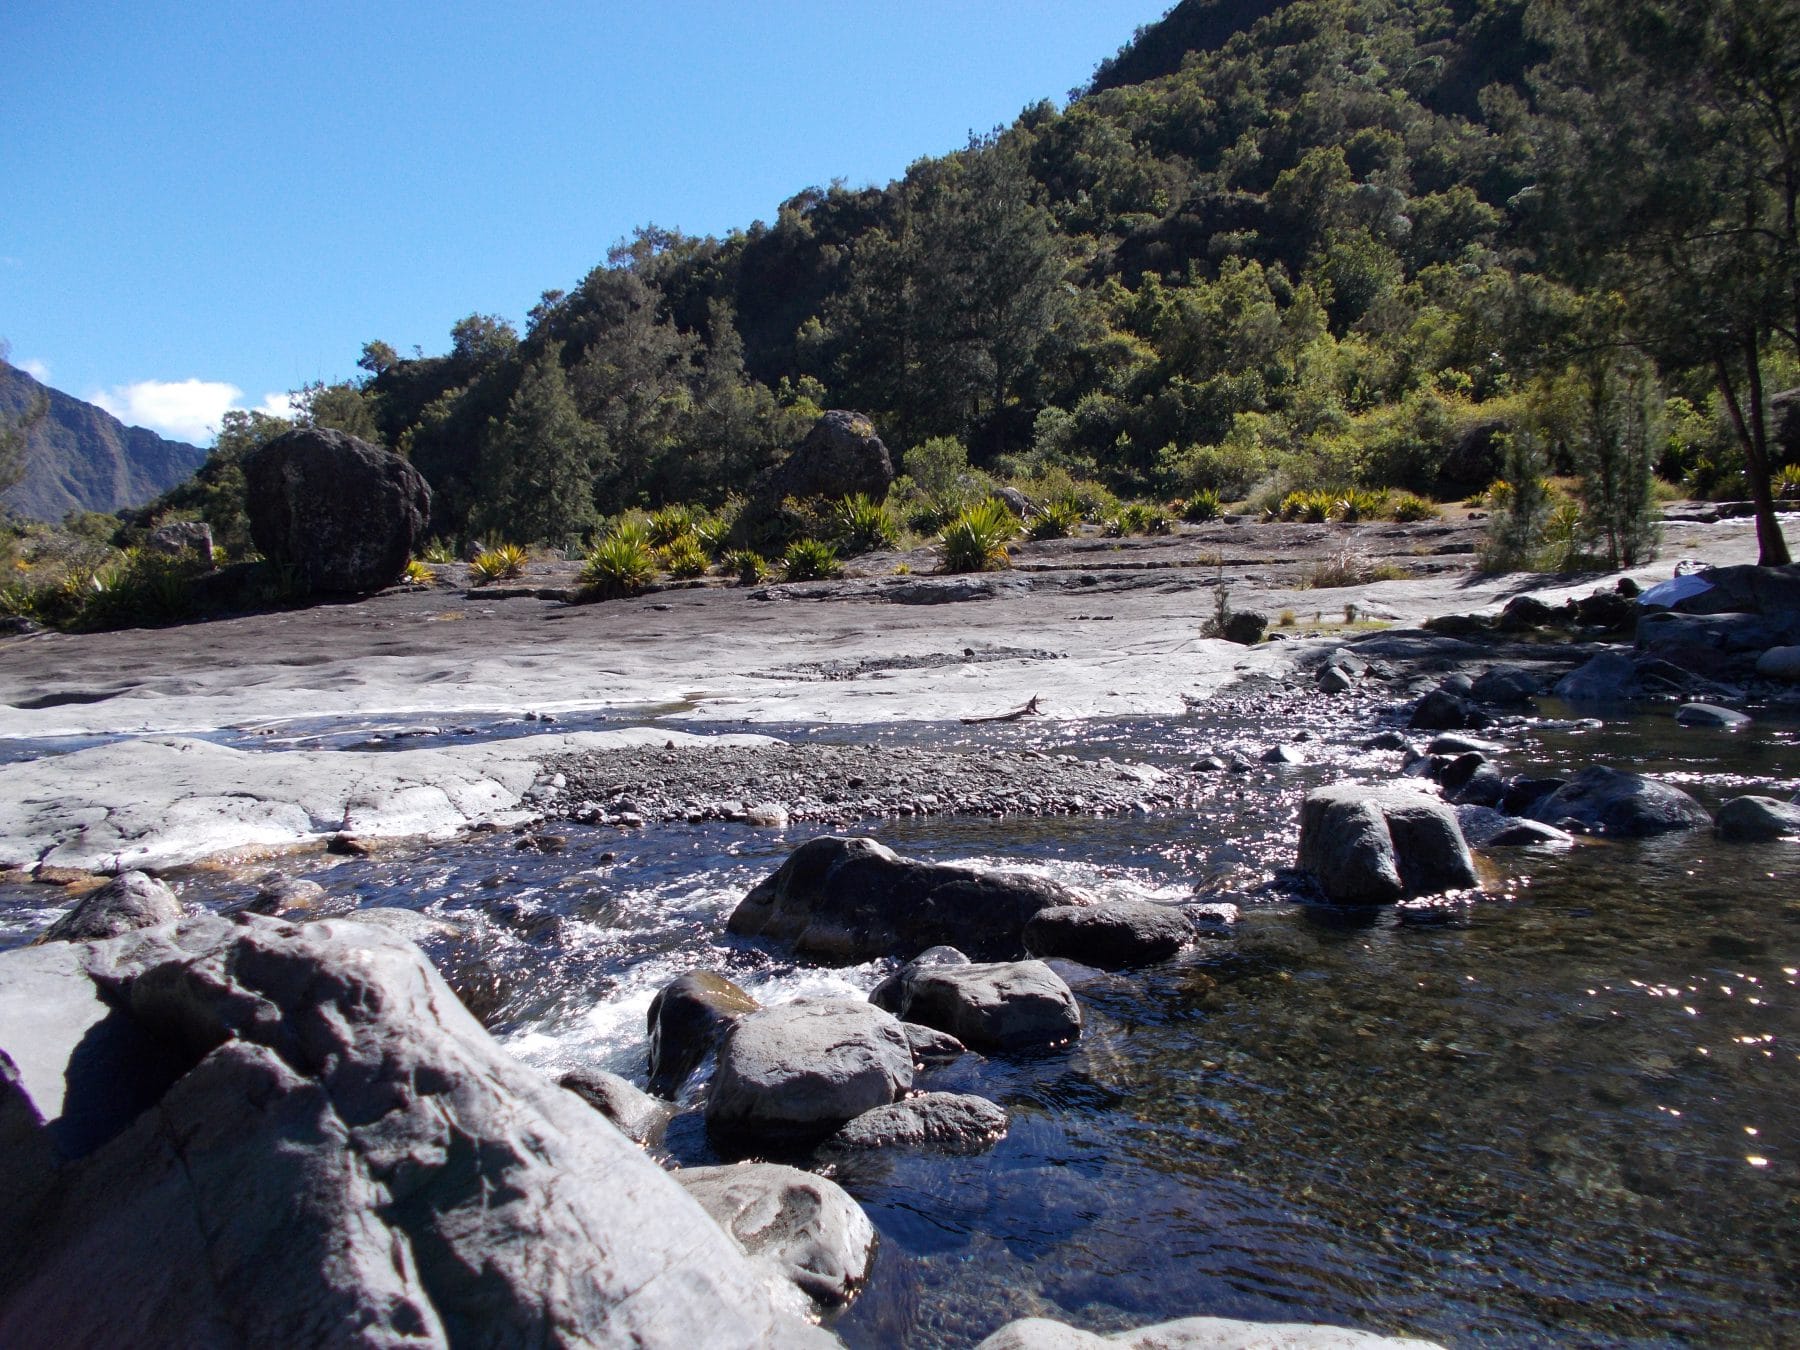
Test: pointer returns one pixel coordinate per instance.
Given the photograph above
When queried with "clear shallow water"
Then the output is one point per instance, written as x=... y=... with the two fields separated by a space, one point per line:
x=1566 y=1114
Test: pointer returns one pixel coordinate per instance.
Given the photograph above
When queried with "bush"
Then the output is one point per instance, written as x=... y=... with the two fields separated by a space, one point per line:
x=1312 y=508
x=1349 y=568
x=1408 y=507
x=1058 y=520
x=502 y=562
x=810 y=560
x=670 y=524
x=863 y=526
x=976 y=540
x=418 y=574
x=1137 y=518
x=685 y=557
x=621 y=564
x=747 y=565
x=1202 y=506
x=1356 y=504
x=437 y=551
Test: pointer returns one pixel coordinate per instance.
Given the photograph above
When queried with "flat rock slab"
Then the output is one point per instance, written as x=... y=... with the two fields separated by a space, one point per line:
x=804 y=1230
x=1195 y=1333
x=794 y=1073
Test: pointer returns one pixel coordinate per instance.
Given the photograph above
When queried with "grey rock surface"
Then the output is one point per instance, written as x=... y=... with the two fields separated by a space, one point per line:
x=1484 y=827
x=1780 y=663
x=1375 y=844
x=183 y=538
x=794 y=1073
x=1606 y=678
x=846 y=900
x=344 y=514
x=803 y=1230
x=840 y=456
x=634 y=1113
x=1195 y=1333
x=988 y=1006
x=1113 y=934
x=948 y=1122
x=1624 y=805
x=686 y=1020
x=931 y=1046
x=1754 y=818
x=337 y=1153
x=129 y=901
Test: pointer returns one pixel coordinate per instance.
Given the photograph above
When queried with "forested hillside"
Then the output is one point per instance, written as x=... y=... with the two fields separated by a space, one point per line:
x=1397 y=243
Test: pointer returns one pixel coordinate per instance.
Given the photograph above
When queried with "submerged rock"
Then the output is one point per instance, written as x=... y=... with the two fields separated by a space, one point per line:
x=1709 y=715
x=996 y=1005
x=850 y=900
x=804 y=1231
x=1377 y=844
x=252 y=1132
x=949 y=1122
x=1753 y=819
x=686 y=1021
x=1114 y=934
x=130 y=901
x=794 y=1073
x=1195 y=1333
x=1624 y=805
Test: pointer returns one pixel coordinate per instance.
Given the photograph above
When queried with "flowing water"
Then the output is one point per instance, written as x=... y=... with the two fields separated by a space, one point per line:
x=1564 y=1114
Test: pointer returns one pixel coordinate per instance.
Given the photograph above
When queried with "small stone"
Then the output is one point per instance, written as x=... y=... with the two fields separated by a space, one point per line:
x=1709 y=715
x=768 y=816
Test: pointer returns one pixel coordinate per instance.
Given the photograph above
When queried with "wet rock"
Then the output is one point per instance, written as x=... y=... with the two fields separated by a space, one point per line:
x=1780 y=663
x=1195 y=1333
x=336 y=1150
x=989 y=1006
x=1483 y=827
x=1387 y=740
x=1113 y=935
x=343 y=514
x=635 y=1114
x=1524 y=792
x=1506 y=686
x=794 y=1073
x=279 y=893
x=1282 y=754
x=1377 y=844
x=804 y=1231
x=1609 y=677
x=1446 y=709
x=931 y=1046
x=850 y=900
x=1623 y=805
x=767 y=816
x=1460 y=745
x=1523 y=613
x=687 y=1019
x=948 y=1122
x=1709 y=715
x=1753 y=819
x=1459 y=768
x=1483 y=787
x=407 y=923
x=130 y=901
x=1714 y=645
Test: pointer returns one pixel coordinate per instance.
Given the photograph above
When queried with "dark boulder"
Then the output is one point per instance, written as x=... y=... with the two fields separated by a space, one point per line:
x=1754 y=819
x=1609 y=677
x=1447 y=709
x=636 y=1115
x=851 y=900
x=686 y=1021
x=345 y=515
x=840 y=457
x=989 y=1006
x=1624 y=805
x=1506 y=686
x=130 y=901
x=1368 y=844
x=189 y=540
x=1523 y=613
x=256 y=1133
x=1484 y=827
x=1714 y=645
x=1113 y=935
x=1711 y=715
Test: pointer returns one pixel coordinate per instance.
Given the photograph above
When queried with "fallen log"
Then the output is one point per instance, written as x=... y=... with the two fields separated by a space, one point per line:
x=1029 y=710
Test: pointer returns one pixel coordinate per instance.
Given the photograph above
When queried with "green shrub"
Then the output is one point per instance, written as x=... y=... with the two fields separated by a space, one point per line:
x=669 y=524
x=1137 y=518
x=685 y=556
x=1313 y=508
x=437 y=551
x=1058 y=520
x=418 y=574
x=747 y=565
x=1356 y=504
x=1786 y=482
x=1409 y=506
x=863 y=526
x=976 y=540
x=809 y=560
x=621 y=564
x=502 y=562
x=1202 y=505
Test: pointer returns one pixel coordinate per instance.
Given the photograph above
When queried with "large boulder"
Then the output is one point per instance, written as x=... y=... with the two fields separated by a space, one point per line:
x=687 y=1018
x=1370 y=845
x=1113 y=935
x=840 y=457
x=851 y=900
x=1194 y=1333
x=1755 y=819
x=792 y=1074
x=988 y=1005
x=1711 y=644
x=1624 y=805
x=344 y=514
x=245 y=1132
x=804 y=1231
x=130 y=901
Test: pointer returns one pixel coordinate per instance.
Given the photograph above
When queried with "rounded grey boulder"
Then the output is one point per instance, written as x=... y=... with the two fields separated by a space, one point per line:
x=841 y=456
x=1371 y=845
x=344 y=514
x=794 y=1073
x=130 y=901
x=1195 y=1333
x=1754 y=819
x=950 y=1122
x=996 y=1005
x=636 y=1115
x=1113 y=935
x=1624 y=805
x=686 y=1020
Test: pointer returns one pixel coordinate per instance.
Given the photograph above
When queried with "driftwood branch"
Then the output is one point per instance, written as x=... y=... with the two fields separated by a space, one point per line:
x=1029 y=710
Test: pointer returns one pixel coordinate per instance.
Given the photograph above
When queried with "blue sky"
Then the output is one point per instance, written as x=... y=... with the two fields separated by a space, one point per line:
x=209 y=204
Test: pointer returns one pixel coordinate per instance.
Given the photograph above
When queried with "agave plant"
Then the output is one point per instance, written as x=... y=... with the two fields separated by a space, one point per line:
x=669 y=524
x=685 y=556
x=863 y=526
x=1058 y=520
x=747 y=565
x=502 y=562
x=621 y=564
x=975 y=540
x=1203 y=506
x=418 y=574
x=1314 y=508
x=809 y=560
x=1355 y=504
x=1410 y=506
x=1137 y=518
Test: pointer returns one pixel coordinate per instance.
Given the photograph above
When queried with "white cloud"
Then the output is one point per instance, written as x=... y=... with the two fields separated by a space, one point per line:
x=189 y=410
x=37 y=370
x=279 y=405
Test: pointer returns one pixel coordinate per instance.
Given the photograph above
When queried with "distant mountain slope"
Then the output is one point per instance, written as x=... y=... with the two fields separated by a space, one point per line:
x=82 y=458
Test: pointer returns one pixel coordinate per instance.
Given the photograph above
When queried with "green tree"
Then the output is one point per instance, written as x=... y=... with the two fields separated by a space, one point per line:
x=337 y=407
x=536 y=482
x=1672 y=167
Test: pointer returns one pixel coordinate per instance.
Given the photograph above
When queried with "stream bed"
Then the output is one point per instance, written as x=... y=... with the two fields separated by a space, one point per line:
x=1566 y=1113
